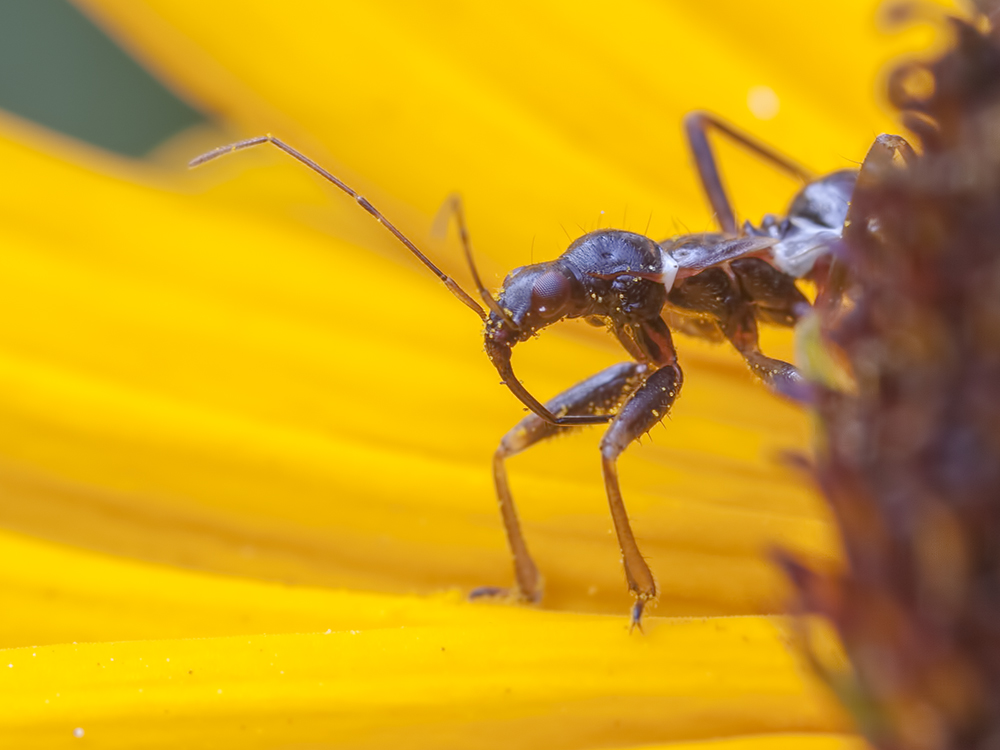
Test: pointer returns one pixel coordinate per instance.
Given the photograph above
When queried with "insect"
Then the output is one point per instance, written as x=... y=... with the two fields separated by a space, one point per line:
x=716 y=285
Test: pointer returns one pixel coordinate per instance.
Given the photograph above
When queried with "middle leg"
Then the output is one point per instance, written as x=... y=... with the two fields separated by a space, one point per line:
x=740 y=327
x=769 y=295
x=647 y=406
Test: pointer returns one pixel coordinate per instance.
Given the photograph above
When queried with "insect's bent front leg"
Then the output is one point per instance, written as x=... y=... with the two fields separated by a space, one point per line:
x=599 y=394
x=646 y=407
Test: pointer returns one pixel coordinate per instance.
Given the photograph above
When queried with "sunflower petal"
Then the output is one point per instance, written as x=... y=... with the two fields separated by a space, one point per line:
x=541 y=123
x=547 y=680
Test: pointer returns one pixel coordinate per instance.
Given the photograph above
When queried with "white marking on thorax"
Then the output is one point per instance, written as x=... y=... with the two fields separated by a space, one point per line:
x=670 y=267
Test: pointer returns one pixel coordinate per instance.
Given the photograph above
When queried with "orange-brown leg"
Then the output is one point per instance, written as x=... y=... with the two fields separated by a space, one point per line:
x=599 y=394
x=645 y=408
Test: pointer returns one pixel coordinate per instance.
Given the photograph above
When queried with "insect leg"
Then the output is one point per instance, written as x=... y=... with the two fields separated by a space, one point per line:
x=740 y=327
x=773 y=294
x=598 y=394
x=733 y=301
x=645 y=408
x=696 y=127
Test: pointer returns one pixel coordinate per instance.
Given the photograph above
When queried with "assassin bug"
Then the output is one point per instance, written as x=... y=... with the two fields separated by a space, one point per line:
x=713 y=285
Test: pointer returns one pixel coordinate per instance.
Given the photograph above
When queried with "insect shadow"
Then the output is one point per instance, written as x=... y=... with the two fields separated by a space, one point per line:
x=714 y=285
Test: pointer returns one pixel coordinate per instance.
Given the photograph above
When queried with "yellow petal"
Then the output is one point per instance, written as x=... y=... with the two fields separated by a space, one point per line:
x=542 y=115
x=771 y=742
x=424 y=670
x=57 y=594
x=496 y=677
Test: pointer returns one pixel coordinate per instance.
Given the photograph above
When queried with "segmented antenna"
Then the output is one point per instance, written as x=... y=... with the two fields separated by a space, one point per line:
x=449 y=282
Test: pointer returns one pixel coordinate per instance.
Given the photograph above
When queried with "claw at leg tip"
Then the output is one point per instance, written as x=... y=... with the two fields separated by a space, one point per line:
x=637 y=616
x=488 y=592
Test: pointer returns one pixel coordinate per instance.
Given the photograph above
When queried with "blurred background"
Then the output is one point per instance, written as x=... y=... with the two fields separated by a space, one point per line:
x=59 y=70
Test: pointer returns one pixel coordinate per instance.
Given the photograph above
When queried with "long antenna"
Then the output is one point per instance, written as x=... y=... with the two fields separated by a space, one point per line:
x=449 y=282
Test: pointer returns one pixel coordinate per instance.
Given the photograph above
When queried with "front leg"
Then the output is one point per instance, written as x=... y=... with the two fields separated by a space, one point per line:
x=647 y=406
x=599 y=394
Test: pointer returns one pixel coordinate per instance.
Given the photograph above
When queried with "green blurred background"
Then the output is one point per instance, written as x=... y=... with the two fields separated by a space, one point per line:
x=60 y=70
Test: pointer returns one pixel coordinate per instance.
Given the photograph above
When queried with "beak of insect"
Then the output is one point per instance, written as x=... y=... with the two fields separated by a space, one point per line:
x=499 y=342
x=498 y=349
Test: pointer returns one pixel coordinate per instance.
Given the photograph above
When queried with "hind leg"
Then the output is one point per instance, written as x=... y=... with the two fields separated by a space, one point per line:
x=696 y=127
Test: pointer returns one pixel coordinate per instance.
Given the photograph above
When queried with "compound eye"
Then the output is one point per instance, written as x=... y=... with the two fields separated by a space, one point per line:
x=549 y=294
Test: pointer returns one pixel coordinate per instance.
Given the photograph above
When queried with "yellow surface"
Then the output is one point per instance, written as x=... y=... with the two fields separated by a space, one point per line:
x=770 y=742
x=374 y=670
x=548 y=680
x=215 y=385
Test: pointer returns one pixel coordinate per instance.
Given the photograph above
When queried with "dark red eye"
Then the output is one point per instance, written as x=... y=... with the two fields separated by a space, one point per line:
x=549 y=294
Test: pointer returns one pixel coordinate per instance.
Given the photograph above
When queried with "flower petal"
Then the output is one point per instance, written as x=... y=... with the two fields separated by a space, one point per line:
x=548 y=680
x=542 y=115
